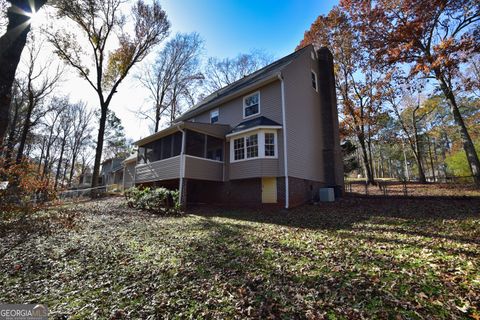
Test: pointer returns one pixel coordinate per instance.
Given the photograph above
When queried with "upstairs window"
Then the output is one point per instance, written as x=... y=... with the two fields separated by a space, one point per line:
x=251 y=105
x=214 y=116
x=314 y=81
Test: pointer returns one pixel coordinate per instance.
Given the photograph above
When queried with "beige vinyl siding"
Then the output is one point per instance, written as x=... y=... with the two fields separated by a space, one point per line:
x=303 y=117
x=231 y=112
x=254 y=168
x=159 y=170
x=201 y=169
x=129 y=174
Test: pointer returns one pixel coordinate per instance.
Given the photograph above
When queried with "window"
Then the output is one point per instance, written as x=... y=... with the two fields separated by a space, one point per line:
x=252 y=146
x=195 y=144
x=166 y=147
x=214 y=116
x=261 y=144
x=251 y=105
x=269 y=144
x=238 y=149
x=214 y=148
x=314 y=80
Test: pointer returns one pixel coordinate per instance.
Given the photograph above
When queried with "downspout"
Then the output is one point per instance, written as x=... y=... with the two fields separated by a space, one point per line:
x=123 y=176
x=182 y=165
x=285 y=155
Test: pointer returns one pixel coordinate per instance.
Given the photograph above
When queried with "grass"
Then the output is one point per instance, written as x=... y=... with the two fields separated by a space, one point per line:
x=354 y=259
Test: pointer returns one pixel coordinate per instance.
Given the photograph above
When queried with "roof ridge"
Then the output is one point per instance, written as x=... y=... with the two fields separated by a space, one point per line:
x=234 y=85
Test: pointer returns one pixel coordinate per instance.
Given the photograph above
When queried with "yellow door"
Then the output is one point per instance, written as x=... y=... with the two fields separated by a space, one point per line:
x=269 y=190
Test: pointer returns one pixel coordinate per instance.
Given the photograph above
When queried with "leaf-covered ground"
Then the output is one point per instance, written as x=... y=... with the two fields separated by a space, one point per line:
x=354 y=259
x=396 y=188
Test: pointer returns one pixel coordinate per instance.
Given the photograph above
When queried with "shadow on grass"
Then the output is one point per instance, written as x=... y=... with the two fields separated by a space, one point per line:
x=350 y=210
x=248 y=273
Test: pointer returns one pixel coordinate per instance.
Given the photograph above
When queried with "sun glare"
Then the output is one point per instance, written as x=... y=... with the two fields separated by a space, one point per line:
x=35 y=18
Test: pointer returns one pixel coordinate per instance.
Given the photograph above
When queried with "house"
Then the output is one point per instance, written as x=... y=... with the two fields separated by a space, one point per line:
x=85 y=180
x=269 y=138
x=112 y=173
x=129 y=171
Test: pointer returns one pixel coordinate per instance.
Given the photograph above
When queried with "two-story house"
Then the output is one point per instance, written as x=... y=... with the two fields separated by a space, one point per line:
x=270 y=137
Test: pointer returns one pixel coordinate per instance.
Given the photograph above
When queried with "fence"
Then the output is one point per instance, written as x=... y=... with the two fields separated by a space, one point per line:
x=450 y=186
x=383 y=187
x=78 y=193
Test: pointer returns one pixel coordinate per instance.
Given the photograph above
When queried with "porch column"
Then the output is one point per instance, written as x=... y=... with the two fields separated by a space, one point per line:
x=182 y=183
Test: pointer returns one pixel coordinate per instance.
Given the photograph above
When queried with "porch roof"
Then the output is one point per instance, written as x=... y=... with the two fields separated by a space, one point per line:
x=216 y=130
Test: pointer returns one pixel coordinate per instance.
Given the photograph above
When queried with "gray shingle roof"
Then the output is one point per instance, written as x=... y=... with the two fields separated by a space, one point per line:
x=264 y=73
x=256 y=122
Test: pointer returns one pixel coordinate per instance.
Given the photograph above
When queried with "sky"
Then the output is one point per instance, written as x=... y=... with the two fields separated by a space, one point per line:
x=228 y=28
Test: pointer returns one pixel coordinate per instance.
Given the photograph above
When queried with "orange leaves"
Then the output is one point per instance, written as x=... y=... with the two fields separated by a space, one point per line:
x=25 y=181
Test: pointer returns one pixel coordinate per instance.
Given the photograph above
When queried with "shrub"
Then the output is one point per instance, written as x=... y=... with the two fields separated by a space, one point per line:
x=26 y=187
x=159 y=200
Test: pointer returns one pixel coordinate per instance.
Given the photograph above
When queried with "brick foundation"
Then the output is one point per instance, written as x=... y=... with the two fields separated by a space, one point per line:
x=244 y=192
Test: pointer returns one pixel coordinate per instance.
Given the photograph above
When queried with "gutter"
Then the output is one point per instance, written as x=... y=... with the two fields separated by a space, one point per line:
x=285 y=154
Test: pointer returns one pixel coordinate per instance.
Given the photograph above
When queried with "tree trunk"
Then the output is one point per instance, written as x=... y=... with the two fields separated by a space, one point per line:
x=468 y=147
x=25 y=130
x=407 y=175
x=11 y=137
x=99 y=148
x=366 y=162
x=431 y=159
x=41 y=155
x=50 y=141
x=418 y=155
x=72 y=168
x=11 y=47
x=57 y=174
x=64 y=174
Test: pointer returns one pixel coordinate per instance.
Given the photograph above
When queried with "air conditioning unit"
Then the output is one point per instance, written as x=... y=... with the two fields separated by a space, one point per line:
x=327 y=195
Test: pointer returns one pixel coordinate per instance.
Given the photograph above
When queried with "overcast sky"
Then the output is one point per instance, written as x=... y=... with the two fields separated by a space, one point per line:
x=228 y=27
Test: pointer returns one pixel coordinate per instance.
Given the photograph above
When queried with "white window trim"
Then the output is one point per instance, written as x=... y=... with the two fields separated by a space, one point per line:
x=261 y=145
x=212 y=115
x=244 y=106
x=316 y=80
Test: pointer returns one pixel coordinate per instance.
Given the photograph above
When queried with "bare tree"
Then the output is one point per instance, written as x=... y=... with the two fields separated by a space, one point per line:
x=64 y=131
x=102 y=22
x=51 y=122
x=81 y=134
x=471 y=76
x=174 y=75
x=11 y=47
x=36 y=85
x=222 y=72
x=17 y=110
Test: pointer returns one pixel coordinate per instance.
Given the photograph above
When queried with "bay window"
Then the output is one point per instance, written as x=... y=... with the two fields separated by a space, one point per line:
x=238 y=147
x=269 y=144
x=252 y=146
x=260 y=144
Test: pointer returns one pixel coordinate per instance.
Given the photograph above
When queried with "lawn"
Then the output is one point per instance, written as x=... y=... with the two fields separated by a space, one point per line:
x=355 y=259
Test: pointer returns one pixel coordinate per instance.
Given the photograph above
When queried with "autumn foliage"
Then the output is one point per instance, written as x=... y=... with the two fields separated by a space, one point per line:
x=26 y=187
x=429 y=40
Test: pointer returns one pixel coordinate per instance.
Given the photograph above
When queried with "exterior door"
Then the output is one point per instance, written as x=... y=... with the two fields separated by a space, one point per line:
x=269 y=190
